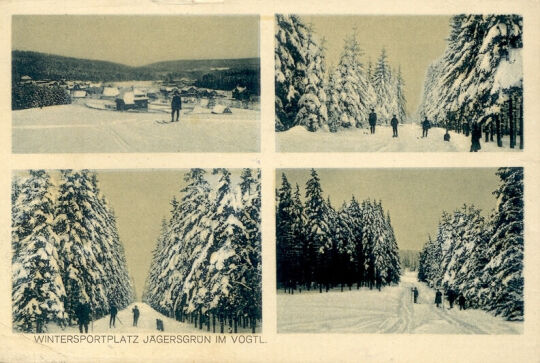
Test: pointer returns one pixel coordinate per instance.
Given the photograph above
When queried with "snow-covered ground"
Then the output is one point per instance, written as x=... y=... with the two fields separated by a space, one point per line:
x=145 y=325
x=76 y=128
x=388 y=311
x=298 y=139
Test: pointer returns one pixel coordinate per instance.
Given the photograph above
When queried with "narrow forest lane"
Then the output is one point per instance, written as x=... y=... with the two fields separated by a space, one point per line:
x=389 y=311
x=410 y=139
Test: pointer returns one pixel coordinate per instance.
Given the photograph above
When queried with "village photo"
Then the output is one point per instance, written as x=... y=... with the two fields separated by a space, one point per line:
x=400 y=251
x=399 y=83
x=112 y=251
x=96 y=84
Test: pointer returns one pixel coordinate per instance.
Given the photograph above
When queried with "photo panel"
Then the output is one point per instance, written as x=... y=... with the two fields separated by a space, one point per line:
x=376 y=83
x=147 y=251
x=400 y=251
x=126 y=83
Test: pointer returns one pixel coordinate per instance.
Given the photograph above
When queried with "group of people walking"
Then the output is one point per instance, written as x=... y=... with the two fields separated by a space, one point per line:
x=451 y=296
x=83 y=313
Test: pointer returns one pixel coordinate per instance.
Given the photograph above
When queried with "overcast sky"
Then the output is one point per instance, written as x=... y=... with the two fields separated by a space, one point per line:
x=138 y=40
x=412 y=42
x=415 y=198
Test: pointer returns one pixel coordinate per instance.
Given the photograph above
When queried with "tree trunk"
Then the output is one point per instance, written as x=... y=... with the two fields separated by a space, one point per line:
x=214 y=323
x=221 y=324
x=235 y=324
x=253 y=323
x=498 y=130
x=512 y=125
x=521 y=123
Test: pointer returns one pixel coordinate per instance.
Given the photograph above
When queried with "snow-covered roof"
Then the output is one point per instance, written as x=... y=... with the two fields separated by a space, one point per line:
x=110 y=91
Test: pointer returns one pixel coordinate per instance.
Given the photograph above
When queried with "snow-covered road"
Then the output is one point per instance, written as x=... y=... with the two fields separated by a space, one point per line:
x=388 y=311
x=298 y=139
x=145 y=325
x=78 y=129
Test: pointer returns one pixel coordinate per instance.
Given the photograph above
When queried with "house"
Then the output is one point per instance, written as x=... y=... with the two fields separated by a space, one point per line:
x=129 y=100
x=26 y=79
x=110 y=93
x=240 y=93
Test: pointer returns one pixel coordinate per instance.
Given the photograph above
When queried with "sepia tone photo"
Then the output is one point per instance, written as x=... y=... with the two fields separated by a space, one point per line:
x=399 y=83
x=135 y=84
x=410 y=251
x=136 y=252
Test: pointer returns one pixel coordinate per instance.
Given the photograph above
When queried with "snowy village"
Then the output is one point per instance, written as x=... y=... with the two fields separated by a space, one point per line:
x=354 y=263
x=77 y=268
x=129 y=100
x=361 y=83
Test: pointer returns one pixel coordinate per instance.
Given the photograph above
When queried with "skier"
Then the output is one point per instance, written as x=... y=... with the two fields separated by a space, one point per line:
x=112 y=320
x=372 y=121
x=438 y=298
x=176 y=106
x=476 y=135
x=415 y=294
x=82 y=312
x=425 y=127
x=461 y=302
x=136 y=314
x=446 y=136
x=394 y=123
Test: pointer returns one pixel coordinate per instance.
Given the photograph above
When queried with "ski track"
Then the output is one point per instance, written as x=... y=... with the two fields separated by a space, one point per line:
x=390 y=311
x=77 y=128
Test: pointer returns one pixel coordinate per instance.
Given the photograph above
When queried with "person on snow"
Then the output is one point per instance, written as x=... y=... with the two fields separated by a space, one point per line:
x=394 y=123
x=461 y=302
x=372 y=121
x=476 y=135
x=82 y=312
x=438 y=298
x=415 y=295
x=114 y=311
x=425 y=127
x=176 y=106
x=136 y=314
x=451 y=296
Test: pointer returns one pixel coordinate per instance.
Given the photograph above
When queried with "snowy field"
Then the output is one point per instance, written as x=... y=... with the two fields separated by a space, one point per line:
x=76 y=128
x=388 y=311
x=298 y=139
x=146 y=324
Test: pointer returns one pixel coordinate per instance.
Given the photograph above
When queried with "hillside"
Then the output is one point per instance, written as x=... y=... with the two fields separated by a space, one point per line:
x=49 y=66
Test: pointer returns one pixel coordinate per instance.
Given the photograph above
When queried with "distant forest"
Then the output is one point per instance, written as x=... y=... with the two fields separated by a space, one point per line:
x=223 y=74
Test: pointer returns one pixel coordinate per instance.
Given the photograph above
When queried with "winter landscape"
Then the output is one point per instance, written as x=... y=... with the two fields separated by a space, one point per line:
x=399 y=83
x=68 y=98
x=80 y=266
x=434 y=267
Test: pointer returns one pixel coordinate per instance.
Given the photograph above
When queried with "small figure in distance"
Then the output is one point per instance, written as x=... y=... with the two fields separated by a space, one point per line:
x=372 y=121
x=394 y=123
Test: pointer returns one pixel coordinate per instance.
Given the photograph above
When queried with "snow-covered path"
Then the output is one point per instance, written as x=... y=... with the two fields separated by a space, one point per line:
x=145 y=325
x=78 y=129
x=388 y=311
x=298 y=139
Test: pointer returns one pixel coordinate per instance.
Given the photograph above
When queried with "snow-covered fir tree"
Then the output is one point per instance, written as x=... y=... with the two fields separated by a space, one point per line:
x=335 y=247
x=66 y=250
x=484 y=263
x=38 y=293
x=382 y=80
x=207 y=261
x=290 y=68
x=479 y=71
x=348 y=93
x=312 y=112
x=503 y=273
x=89 y=247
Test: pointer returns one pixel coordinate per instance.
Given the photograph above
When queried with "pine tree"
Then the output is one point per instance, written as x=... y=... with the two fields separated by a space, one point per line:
x=348 y=91
x=38 y=292
x=290 y=68
x=312 y=111
x=504 y=272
